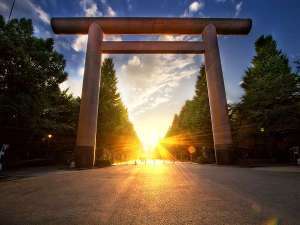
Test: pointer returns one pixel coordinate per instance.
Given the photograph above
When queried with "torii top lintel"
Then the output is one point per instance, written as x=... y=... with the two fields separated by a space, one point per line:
x=147 y=25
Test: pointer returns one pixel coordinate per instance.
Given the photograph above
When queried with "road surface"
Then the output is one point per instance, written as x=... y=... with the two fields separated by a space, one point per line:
x=160 y=194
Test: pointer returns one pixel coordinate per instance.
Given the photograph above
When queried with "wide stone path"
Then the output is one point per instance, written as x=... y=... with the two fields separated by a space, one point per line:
x=181 y=193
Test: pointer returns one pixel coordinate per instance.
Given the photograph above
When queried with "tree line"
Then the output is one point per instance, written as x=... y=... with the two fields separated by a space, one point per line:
x=116 y=137
x=265 y=123
x=39 y=120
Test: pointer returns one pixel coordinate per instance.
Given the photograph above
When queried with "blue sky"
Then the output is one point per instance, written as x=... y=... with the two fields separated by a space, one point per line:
x=155 y=87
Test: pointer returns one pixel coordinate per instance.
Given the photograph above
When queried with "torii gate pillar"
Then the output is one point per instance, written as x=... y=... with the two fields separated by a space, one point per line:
x=87 y=124
x=217 y=97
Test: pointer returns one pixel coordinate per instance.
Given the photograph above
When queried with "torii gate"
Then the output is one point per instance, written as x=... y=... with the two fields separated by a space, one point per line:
x=96 y=26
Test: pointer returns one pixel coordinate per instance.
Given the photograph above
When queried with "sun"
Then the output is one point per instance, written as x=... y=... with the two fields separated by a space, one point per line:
x=151 y=131
x=150 y=140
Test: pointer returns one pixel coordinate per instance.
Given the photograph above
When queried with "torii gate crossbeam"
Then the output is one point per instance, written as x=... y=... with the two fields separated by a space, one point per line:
x=96 y=26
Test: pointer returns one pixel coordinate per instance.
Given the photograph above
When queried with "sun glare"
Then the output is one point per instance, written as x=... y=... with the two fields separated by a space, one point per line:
x=150 y=140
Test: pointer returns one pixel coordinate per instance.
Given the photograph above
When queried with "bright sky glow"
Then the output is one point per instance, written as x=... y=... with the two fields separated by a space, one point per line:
x=150 y=136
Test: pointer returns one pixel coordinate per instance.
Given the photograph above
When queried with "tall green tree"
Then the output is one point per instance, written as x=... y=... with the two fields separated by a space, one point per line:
x=31 y=102
x=269 y=110
x=116 y=137
x=271 y=89
x=30 y=71
x=192 y=126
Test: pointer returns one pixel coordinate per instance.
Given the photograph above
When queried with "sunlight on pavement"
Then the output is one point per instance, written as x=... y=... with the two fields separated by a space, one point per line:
x=272 y=221
x=148 y=166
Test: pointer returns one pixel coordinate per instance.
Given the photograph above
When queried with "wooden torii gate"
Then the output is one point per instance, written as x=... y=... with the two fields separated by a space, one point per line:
x=96 y=26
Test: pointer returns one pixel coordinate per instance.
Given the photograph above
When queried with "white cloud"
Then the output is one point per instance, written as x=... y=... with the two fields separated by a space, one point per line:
x=81 y=71
x=91 y=9
x=110 y=12
x=238 y=8
x=135 y=61
x=79 y=43
x=112 y=38
x=129 y=5
x=40 y=12
x=3 y=7
x=194 y=9
x=196 y=6
x=74 y=82
x=169 y=37
x=25 y=8
x=74 y=85
x=152 y=80
x=42 y=15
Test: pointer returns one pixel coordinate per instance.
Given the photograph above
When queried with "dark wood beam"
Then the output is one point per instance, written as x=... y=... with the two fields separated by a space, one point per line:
x=142 y=25
x=152 y=47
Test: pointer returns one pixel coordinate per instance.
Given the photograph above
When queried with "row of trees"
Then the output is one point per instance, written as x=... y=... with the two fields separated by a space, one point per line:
x=37 y=119
x=192 y=126
x=265 y=123
x=116 y=137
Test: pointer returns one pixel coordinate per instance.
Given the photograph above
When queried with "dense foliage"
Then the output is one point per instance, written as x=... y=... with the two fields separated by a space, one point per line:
x=265 y=124
x=116 y=137
x=192 y=127
x=267 y=119
x=31 y=102
x=39 y=120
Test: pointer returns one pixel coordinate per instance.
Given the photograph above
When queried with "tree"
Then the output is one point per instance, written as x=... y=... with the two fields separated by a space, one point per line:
x=30 y=72
x=31 y=103
x=270 y=105
x=192 y=127
x=297 y=62
x=116 y=137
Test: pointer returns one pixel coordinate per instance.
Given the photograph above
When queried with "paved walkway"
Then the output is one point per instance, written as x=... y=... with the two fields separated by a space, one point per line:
x=181 y=193
x=291 y=169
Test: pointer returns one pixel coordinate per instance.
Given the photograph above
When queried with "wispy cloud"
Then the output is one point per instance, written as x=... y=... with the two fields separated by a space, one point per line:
x=129 y=5
x=79 y=43
x=134 y=61
x=73 y=85
x=74 y=82
x=28 y=9
x=196 y=6
x=110 y=12
x=194 y=9
x=3 y=7
x=91 y=9
x=152 y=79
x=238 y=8
x=39 y=11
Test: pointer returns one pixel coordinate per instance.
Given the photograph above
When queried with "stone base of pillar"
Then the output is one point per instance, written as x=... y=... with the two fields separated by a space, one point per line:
x=84 y=156
x=224 y=154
